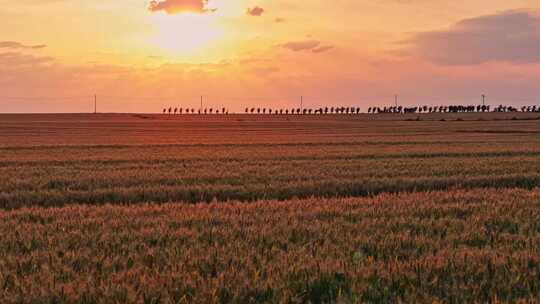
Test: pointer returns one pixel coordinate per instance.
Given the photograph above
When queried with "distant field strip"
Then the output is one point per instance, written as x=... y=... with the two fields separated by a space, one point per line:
x=58 y=160
x=138 y=174
x=119 y=129
x=449 y=246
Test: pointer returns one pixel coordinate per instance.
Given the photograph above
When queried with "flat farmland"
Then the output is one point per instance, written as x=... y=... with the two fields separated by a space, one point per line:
x=247 y=208
x=84 y=159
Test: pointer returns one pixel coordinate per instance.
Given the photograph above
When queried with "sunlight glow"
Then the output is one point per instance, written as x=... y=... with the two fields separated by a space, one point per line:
x=185 y=34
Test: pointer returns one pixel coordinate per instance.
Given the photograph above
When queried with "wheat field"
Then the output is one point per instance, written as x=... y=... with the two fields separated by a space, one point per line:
x=114 y=208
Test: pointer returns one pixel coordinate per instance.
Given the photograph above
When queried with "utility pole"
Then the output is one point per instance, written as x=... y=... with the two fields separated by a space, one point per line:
x=95 y=104
x=301 y=103
x=483 y=99
x=395 y=99
x=201 y=102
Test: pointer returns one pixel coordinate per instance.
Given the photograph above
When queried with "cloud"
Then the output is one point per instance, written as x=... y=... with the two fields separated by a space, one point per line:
x=256 y=11
x=15 y=59
x=304 y=45
x=307 y=45
x=18 y=45
x=180 y=6
x=322 y=49
x=265 y=71
x=279 y=20
x=510 y=36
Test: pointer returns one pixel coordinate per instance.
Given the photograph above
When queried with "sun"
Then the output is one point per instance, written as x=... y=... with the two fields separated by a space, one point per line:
x=185 y=33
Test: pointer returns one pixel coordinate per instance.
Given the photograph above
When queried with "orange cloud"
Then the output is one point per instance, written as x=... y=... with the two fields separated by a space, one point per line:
x=256 y=11
x=18 y=45
x=180 y=6
x=322 y=49
x=307 y=45
x=14 y=60
x=304 y=45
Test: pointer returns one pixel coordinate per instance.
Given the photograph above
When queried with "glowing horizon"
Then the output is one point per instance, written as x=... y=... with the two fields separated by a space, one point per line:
x=240 y=53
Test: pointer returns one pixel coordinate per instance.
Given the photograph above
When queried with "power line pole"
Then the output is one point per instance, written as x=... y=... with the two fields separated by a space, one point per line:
x=396 y=99
x=301 y=103
x=483 y=99
x=95 y=103
x=201 y=103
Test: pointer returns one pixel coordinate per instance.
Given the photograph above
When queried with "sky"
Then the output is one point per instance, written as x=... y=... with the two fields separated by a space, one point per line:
x=142 y=56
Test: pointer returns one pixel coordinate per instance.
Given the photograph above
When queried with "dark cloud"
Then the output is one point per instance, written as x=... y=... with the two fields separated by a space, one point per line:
x=306 y=45
x=180 y=6
x=18 y=45
x=510 y=36
x=255 y=11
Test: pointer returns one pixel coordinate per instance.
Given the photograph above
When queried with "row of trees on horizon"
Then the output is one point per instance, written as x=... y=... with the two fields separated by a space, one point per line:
x=357 y=110
x=172 y=110
x=451 y=109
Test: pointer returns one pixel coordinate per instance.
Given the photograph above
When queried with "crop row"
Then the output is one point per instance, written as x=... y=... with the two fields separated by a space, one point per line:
x=451 y=246
x=282 y=175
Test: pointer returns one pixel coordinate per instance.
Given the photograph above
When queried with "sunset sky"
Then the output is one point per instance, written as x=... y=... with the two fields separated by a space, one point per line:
x=139 y=56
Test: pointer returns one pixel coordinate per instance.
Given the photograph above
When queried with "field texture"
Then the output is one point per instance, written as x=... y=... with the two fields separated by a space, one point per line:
x=143 y=208
x=448 y=246
x=61 y=160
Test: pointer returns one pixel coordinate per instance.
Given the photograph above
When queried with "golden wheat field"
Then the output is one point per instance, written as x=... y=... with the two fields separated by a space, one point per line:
x=121 y=208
